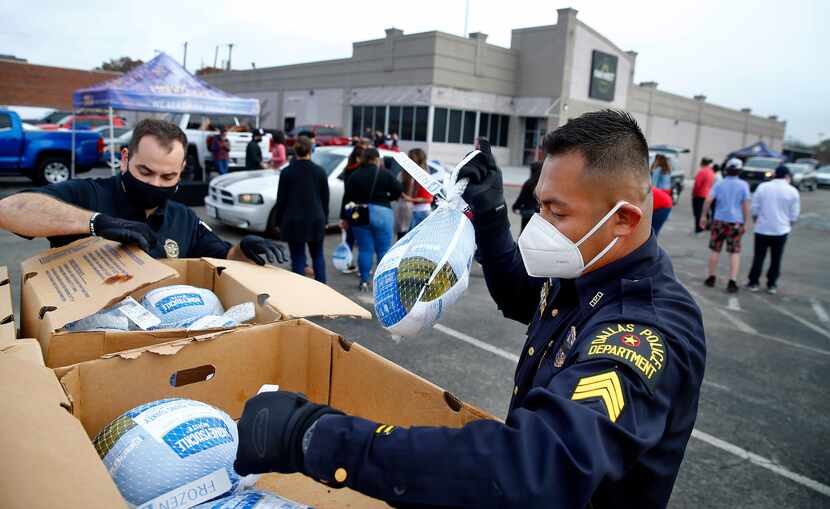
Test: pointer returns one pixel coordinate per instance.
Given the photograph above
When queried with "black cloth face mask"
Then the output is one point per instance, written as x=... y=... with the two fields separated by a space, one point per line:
x=146 y=196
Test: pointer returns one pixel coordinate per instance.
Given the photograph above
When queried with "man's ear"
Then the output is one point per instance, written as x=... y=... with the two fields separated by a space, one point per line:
x=125 y=156
x=627 y=219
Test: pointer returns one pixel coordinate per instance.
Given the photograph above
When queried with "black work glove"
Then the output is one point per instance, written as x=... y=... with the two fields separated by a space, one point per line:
x=485 y=191
x=262 y=251
x=124 y=231
x=271 y=432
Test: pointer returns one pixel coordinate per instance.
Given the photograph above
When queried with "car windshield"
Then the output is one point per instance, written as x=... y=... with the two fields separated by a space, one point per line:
x=824 y=169
x=327 y=160
x=763 y=162
x=797 y=168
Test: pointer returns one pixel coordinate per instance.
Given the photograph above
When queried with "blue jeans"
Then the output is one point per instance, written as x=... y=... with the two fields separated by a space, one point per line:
x=318 y=261
x=417 y=217
x=221 y=166
x=374 y=238
x=658 y=218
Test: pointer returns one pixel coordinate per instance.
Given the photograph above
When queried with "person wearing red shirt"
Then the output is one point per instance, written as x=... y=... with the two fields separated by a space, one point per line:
x=703 y=184
x=662 y=208
x=421 y=199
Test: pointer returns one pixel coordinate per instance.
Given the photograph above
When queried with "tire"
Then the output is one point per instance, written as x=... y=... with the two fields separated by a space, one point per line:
x=52 y=170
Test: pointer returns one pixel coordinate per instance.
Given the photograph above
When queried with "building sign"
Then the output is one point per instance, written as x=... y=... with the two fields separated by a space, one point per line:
x=603 y=76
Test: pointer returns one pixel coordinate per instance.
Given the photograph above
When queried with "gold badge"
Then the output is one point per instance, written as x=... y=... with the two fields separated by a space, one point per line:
x=171 y=248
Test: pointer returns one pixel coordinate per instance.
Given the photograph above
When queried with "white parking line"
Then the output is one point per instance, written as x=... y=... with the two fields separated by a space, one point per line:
x=734 y=304
x=798 y=319
x=737 y=322
x=761 y=462
x=700 y=435
x=820 y=312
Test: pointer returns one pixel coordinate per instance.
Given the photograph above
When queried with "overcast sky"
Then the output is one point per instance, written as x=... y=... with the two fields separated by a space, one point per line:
x=763 y=54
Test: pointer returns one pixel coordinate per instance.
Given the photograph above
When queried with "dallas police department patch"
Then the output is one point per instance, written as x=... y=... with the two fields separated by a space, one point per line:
x=640 y=347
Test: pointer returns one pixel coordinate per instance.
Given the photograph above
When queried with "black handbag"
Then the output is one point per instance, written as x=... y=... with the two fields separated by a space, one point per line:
x=360 y=212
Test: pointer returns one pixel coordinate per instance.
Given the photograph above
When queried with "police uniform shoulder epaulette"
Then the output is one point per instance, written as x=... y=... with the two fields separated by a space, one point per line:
x=640 y=347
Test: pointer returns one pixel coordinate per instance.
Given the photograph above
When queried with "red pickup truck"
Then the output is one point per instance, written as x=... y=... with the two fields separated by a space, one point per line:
x=325 y=134
x=85 y=122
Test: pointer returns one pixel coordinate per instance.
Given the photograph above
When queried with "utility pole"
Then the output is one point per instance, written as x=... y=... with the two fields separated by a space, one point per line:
x=215 y=56
x=184 y=60
x=230 y=52
x=466 y=17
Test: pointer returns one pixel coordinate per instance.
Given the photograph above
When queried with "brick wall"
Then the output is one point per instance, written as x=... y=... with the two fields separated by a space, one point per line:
x=23 y=84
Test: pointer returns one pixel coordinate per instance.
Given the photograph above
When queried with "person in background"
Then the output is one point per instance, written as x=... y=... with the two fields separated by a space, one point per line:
x=354 y=162
x=662 y=209
x=526 y=204
x=253 y=152
x=220 y=148
x=421 y=198
x=311 y=135
x=661 y=172
x=374 y=186
x=278 y=155
x=704 y=180
x=402 y=207
x=379 y=140
x=730 y=221
x=393 y=142
x=718 y=171
x=775 y=209
x=302 y=209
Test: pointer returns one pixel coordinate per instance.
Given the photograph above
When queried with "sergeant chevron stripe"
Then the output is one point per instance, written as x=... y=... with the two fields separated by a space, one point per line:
x=605 y=386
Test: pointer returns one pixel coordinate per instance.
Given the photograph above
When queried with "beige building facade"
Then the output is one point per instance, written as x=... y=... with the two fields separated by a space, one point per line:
x=440 y=91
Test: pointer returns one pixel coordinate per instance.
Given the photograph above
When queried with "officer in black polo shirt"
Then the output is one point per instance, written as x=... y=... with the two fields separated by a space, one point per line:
x=607 y=383
x=133 y=207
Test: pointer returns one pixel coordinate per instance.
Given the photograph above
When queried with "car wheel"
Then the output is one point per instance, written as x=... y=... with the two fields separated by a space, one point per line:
x=52 y=170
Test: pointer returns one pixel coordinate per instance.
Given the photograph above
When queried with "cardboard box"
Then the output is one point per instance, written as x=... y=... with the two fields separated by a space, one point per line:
x=48 y=461
x=7 y=326
x=226 y=368
x=66 y=284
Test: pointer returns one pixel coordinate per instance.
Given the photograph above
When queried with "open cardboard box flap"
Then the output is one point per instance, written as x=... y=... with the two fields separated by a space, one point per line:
x=24 y=349
x=225 y=370
x=6 y=311
x=71 y=282
x=292 y=295
x=48 y=460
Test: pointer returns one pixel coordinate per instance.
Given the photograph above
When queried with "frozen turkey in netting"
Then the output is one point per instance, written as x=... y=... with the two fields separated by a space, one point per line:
x=170 y=448
x=429 y=268
x=178 y=306
x=252 y=500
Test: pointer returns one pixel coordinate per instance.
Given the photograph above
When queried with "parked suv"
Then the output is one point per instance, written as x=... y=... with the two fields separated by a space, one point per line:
x=758 y=170
x=803 y=176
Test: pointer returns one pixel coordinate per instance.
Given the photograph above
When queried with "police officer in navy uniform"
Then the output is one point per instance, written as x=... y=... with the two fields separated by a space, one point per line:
x=607 y=385
x=133 y=207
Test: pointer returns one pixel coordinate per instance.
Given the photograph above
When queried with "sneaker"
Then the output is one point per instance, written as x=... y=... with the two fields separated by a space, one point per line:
x=732 y=287
x=753 y=288
x=710 y=281
x=364 y=287
x=772 y=290
x=351 y=269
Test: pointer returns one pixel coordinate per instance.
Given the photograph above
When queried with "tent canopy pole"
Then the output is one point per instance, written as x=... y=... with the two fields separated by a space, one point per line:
x=112 y=144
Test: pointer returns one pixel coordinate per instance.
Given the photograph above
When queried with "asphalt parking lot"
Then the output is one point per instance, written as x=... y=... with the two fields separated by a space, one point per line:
x=762 y=432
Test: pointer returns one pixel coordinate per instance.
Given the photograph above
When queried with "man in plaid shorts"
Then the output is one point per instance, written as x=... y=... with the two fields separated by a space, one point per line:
x=731 y=196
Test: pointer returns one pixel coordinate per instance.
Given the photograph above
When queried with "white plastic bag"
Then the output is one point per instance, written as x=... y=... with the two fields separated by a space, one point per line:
x=429 y=268
x=342 y=257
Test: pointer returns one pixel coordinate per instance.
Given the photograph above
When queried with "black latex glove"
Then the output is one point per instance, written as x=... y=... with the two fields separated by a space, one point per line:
x=125 y=231
x=262 y=251
x=271 y=432
x=485 y=192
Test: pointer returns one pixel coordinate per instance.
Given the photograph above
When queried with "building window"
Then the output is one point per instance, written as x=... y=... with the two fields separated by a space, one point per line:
x=380 y=119
x=439 y=125
x=454 y=133
x=395 y=119
x=504 y=128
x=421 y=121
x=469 y=128
x=407 y=119
x=357 y=120
x=483 y=125
x=494 y=129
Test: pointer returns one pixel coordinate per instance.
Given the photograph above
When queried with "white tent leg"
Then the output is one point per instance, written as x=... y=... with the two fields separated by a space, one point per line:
x=72 y=169
x=112 y=144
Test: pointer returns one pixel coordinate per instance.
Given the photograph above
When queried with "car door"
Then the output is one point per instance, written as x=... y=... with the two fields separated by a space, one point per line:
x=11 y=141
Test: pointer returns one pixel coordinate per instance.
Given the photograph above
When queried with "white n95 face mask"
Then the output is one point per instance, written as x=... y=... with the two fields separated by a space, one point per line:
x=547 y=252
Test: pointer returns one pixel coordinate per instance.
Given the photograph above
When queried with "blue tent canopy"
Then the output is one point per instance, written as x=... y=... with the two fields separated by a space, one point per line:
x=759 y=149
x=162 y=85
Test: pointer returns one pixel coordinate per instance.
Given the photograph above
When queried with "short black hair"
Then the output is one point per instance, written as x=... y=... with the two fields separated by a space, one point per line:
x=705 y=161
x=165 y=132
x=371 y=153
x=610 y=141
x=302 y=147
